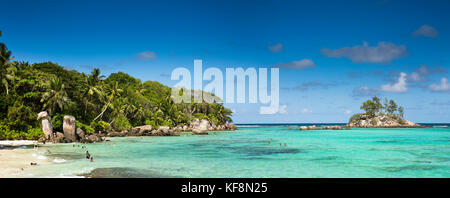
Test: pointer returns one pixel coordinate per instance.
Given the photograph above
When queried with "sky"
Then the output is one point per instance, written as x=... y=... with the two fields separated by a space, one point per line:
x=332 y=55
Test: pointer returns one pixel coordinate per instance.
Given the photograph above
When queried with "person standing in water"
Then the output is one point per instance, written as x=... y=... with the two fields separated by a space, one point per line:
x=88 y=156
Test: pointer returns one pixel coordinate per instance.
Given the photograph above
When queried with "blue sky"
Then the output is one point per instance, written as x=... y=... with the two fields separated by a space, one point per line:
x=333 y=54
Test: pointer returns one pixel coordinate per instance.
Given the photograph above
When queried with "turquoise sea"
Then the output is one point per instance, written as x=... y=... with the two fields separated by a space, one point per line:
x=422 y=152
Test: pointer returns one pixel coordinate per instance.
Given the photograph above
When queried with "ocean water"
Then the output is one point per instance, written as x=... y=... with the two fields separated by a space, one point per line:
x=259 y=151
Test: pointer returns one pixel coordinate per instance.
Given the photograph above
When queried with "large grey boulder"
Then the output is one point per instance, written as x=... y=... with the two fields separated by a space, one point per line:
x=94 y=138
x=47 y=126
x=164 y=129
x=142 y=129
x=201 y=126
x=80 y=133
x=69 y=128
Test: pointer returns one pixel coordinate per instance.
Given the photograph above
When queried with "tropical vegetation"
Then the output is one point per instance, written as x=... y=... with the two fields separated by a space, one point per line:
x=373 y=108
x=116 y=102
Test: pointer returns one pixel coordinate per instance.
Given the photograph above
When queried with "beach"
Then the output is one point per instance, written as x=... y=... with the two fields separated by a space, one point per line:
x=253 y=151
x=17 y=155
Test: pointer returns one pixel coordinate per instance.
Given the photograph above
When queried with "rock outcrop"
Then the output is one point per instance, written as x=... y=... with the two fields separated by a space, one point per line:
x=381 y=121
x=325 y=127
x=197 y=127
x=142 y=129
x=69 y=128
x=47 y=126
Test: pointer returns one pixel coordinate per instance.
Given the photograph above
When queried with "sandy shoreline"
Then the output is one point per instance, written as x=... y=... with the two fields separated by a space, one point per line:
x=16 y=156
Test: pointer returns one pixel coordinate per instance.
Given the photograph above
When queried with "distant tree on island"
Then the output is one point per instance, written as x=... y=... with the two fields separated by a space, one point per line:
x=116 y=102
x=374 y=108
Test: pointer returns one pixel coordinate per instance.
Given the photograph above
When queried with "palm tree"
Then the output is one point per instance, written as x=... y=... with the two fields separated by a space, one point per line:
x=6 y=71
x=114 y=91
x=56 y=96
x=93 y=88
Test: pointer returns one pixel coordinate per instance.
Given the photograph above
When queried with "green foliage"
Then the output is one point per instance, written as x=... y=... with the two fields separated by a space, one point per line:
x=121 y=123
x=29 y=134
x=373 y=107
x=100 y=125
x=57 y=122
x=86 y=128
x=355 y=117
x=151 y=122
x=200 y=116
x=373 y=121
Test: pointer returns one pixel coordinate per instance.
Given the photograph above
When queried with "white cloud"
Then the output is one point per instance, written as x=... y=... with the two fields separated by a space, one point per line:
x=426 y=31
x=347 y=111
x=443 y=87
x=384 y=52
x=276 y=48
x=398 y=87
x=300 y=64
x=306 y=110
x=282 y=109
x=146 y=55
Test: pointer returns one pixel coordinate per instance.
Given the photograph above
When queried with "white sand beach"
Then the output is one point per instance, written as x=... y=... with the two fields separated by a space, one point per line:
x=16 y=158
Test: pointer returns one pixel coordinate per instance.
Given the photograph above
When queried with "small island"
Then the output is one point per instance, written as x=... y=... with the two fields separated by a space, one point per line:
x=378 y=115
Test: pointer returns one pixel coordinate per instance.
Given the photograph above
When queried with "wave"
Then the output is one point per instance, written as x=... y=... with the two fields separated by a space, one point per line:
x=440 y=126
x=59 y=160
x=39 y=156
x=21 y=147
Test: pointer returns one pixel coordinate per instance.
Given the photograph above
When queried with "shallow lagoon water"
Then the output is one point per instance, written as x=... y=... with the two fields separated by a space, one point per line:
x=423 y=152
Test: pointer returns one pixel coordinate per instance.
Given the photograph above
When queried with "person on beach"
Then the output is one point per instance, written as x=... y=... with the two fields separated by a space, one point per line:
x=88 y=156
x=33 y=164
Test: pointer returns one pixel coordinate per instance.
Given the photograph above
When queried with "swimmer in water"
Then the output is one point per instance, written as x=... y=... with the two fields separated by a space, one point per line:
x=92 y=159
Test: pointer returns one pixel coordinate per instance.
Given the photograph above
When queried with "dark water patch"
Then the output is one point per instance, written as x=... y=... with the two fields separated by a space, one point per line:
x=123 y=173
x=409 y=167
x=422 y=161
x=388 y=141
x=68 y=156
x=327 y=158
x=442 y=140
x=254 y=158
x=197 y=145
x=260 y=151
x=8 y=147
